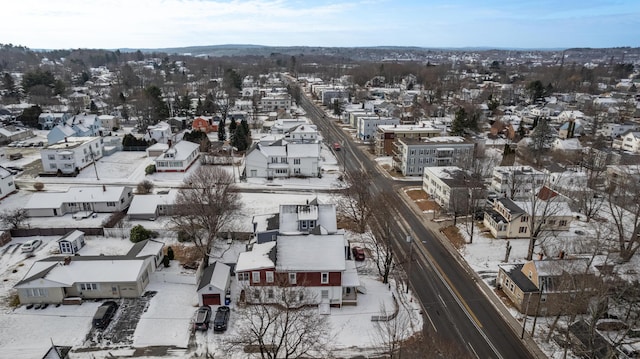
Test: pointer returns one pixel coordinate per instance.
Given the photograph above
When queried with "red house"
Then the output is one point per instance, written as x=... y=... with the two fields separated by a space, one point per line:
x=204 y=124
x=316 y=262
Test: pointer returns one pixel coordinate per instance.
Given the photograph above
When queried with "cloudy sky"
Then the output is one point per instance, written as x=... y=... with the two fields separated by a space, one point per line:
x=54 y=24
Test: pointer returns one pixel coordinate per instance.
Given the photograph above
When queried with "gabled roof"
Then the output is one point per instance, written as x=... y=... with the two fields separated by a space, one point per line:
x=43 y=200
x=216 y=274
x=261 y=256
x=514 y=271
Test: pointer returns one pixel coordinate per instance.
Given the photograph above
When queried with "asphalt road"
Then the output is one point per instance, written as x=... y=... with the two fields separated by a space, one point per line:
x=456 y=309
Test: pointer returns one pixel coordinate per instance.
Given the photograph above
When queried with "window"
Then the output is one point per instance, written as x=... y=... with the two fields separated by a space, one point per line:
x=524 y=219
x=324 y=278
x=37 y=292
x=292 y=278
x=296 y=161
x=255 y=277
x=244 y=276
x=562 y=223
x=51 y=157
x=88 y=286
x=324 y=294
x=111 y=204
x=522 y=230
x=269 y=277
x=270 y=293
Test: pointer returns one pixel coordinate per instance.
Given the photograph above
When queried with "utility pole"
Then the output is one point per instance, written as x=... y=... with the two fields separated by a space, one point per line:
x=410 y=241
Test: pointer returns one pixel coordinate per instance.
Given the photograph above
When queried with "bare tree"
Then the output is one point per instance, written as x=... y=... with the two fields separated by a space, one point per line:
x=290 y=327
x=624 y=211
x=382 y=234
x=206 y=202
x=144 y=187
x=13 y=218
x=355 y=204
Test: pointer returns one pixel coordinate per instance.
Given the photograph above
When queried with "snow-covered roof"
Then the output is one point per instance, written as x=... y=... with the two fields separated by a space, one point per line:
x=555 y=267
x=216 y=274
x=350 y=275
x=179 y=152
x=95 y=269
x=71 y=236
x=307 y=253
x=303 y=150
x=323 y=214
x=41 y=200
x=258 y=258
x=444 y=172
x=148 y=203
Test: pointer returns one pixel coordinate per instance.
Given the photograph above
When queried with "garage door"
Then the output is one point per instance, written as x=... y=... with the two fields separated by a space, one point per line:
x=211 y=299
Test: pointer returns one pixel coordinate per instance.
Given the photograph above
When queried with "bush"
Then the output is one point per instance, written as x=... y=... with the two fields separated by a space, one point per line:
x=38 y=186
x=165 y=261
x=150 y=169
x=139 y=233
x=170 y=254
x=183 y=237
x=144 y=187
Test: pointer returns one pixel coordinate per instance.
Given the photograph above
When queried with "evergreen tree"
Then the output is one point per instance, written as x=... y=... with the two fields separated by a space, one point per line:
x=222 y=135
x=459 y=123
x=245 y=125
x=199 y=108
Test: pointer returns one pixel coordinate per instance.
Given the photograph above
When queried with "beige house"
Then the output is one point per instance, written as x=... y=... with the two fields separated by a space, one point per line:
x=548 y=287
x=54 y=279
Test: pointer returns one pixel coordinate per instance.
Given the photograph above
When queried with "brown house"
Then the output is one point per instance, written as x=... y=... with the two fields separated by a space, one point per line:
x=204 y=124
x=548 y=287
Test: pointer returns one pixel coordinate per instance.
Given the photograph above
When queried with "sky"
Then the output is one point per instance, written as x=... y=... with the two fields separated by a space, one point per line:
x=111 y=24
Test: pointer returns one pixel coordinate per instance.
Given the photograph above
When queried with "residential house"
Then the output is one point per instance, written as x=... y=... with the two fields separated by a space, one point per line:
x=48 y=120
x=109 y=122
x=160 y=132
x=178 y=157
x=59 y=278
x=510 y=219
x=516 y=181
x=296 y=154
x=569 y=145
x=7 y=182
x=100 y=199
x=59 y=133
x=314 y=263
x=275 y=102
x=613 y=130
x=86 y=125
x=71 y=242
x=204 y=124
x=413 y=155
x=71 y=155
x=12 y=133
x=367 y=126
x=152 y=206
x=629 y=141
x=386 y=135
x=213 y=284
x=453 y=189
x=548 y=287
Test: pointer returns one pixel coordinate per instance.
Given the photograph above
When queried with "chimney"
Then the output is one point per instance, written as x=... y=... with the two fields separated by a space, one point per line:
x=540 y=255
x=104 y=188
x=67 y=260
x=65 y=139
x=169 y=143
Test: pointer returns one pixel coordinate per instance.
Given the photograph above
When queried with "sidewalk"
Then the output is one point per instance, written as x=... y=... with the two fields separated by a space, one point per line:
x=435 y=228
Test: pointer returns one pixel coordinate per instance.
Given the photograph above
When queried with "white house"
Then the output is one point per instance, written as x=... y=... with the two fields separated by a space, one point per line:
x=54 y=279
x=274 y=102
x=99 y=199
x=516 y=181
x=284 y=158
x=151 y=206
x=413 y=155
x=71 y=154
x=7 y=184
x=452 y=188
x=613 y=130
x=160 y=132
x=178 y=157
x=629 y=141
x=368 y=125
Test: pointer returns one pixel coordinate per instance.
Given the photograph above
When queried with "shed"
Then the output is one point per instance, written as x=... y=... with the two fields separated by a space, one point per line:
x=214 y=284
x=71 y=242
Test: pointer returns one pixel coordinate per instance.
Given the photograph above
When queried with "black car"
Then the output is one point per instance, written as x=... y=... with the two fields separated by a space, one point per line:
x=222 y=319
x=203 y=317
x=104 y=314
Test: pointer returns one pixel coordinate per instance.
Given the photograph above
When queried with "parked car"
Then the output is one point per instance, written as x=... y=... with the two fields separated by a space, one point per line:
x=104 y=314
x=336 y=146
x=203 y=318
x=222 y=319
x=30 y=246
x=358 y=253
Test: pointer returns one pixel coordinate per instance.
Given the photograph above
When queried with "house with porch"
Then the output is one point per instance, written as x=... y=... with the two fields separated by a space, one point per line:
x=100 y=199
x=178 y=157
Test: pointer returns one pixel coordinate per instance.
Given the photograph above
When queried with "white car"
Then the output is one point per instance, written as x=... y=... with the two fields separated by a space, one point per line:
x=30 y=246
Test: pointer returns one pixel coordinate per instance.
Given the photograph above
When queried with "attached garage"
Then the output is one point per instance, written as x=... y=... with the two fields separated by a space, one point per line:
x=211 y=299
x=214 y=283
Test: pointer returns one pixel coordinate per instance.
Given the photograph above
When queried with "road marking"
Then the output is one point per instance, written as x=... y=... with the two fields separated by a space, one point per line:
x=430 y=321
x=473 y=350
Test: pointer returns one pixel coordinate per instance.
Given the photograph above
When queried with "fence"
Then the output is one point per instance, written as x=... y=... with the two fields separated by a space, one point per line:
x=387 y=317
x=30 y=232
